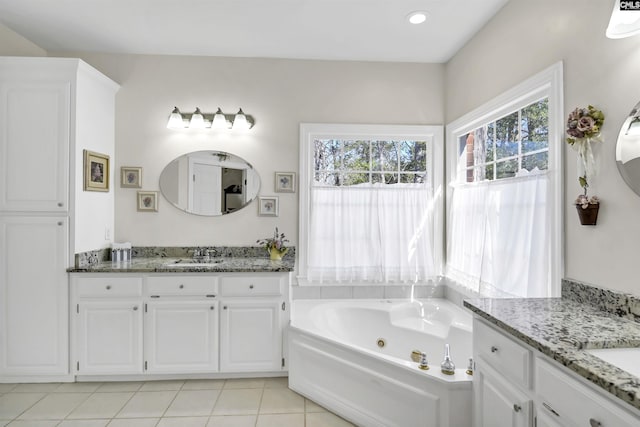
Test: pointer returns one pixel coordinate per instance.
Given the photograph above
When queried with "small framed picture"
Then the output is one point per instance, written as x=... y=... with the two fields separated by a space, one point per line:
x=285 y=182
x=130 y=177
x=96 y=171
x=268 y=206
x=147 y=201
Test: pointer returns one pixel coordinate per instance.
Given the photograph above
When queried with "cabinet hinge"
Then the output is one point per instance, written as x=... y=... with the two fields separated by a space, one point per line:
x=535 y=421
x=145 y=365
x=78 y=308
x=77 y=365
x=284 y=304
x=283 y=362
x=145 y=307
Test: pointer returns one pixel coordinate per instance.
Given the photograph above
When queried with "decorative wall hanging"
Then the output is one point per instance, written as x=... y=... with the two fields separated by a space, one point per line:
x=147 y=201
x=583 y=128
x=96 y=171
x=285 y=182
x=130 y=177
x=268 y=206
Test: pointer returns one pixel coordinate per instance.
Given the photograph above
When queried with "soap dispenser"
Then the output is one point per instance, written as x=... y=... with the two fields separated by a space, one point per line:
x=447 y=366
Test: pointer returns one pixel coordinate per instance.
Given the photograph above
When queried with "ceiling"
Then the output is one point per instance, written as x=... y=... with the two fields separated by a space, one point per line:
x=364 y=30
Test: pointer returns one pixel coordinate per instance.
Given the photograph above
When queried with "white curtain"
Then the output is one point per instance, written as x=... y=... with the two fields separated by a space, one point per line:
x=498 y=236
x=371 y=233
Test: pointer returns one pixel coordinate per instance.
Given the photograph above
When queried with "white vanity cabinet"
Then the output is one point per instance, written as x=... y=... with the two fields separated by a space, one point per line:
x=173 y=324
x=181 y=324
x=501 y=379
x=252 y=322
x=108 y=313
x=515 y=385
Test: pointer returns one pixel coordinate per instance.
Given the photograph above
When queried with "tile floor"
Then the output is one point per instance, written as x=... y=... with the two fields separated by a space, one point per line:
x=255 y=402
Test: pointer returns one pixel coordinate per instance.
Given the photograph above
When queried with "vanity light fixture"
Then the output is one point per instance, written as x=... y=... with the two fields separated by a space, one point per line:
x=216 y=121
x=625 y=20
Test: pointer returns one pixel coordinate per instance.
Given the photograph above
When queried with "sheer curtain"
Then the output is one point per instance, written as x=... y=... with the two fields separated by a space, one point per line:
x=371 y=233
x=498 y=235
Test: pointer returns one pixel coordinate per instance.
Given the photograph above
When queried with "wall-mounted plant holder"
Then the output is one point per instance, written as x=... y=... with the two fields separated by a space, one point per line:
x=588 y=215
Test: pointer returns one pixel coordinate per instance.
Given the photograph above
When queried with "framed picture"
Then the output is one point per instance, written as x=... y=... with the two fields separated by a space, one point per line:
x=268 y=206
x=285 y=182
x=96 y=171
x=130 y=177
x=147 y=201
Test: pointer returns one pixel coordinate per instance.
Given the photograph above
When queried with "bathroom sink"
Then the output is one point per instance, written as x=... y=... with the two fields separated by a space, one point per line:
x=188 y=262
x=627 y=359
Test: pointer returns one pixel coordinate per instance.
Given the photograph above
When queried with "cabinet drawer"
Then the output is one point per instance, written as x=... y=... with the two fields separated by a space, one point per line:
x=181 y=285
x=250 y=286
x=570 y=402
x=109 y=287
x=503 y=354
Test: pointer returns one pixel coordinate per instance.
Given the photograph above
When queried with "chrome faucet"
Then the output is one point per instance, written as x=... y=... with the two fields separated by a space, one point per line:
x=447 y=366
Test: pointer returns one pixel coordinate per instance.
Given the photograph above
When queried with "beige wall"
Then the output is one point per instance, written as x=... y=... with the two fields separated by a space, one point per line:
x=13 y=44
x=527 y=36
x=280 y=94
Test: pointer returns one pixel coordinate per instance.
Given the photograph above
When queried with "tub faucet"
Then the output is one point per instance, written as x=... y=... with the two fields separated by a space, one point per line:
x=447 y=366
x=424 y=364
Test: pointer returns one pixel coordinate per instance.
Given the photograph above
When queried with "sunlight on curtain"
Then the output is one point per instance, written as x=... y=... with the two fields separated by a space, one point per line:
x=371 y=233
x=498 y=235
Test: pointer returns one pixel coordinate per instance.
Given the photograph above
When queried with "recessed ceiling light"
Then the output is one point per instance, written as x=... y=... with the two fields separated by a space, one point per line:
x=417 y=17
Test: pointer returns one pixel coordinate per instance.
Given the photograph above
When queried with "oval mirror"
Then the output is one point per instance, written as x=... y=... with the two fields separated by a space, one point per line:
x=209 y=183
x=628 y=150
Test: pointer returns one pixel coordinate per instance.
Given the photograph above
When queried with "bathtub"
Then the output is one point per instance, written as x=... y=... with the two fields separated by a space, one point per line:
x=354 y=358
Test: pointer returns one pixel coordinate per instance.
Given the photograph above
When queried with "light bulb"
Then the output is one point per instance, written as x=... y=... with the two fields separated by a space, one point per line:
x=417 y=17
x=240 y=121
x=197 y=120
x=219 y=121
x=175 y=120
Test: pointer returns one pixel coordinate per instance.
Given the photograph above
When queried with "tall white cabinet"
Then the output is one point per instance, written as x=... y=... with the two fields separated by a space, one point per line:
x=51 y=109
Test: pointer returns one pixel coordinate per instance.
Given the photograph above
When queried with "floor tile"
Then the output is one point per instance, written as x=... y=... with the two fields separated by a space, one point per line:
x=281 y=401
x=237 y=383
x=193 y=403
x=279 y=382
x=325 y=419
x=120 y=386
x=33 y=423
x=133 y=422
x=183 y=422
x=36 y=388
x=238 y=402
x=161 y=385
x=84 y=423
x=232 y=421
x=311 y=406
x=101 y=405
x=280 y=420
x=5 y=388
x=13 y=404
x=203 y=385
x=77 y=387
x=147 y=404
x=54 y=406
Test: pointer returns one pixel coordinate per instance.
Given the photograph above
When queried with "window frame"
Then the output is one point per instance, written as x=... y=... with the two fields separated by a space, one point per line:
x=547 y=83
x=433 y=135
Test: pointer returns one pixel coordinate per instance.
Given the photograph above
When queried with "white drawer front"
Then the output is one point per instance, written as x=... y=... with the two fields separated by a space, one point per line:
x=109 y=287
x=251 y=286
x=506 y=356
x=570 y=402
x=181 y=285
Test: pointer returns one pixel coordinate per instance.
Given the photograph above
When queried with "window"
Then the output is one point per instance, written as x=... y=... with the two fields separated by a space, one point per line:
x=367 y=207
x=504 y=212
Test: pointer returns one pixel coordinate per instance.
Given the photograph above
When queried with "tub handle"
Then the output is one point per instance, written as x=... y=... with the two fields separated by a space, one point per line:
x=494 y=349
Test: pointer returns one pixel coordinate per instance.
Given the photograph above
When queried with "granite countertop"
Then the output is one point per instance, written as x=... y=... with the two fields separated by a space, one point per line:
x=562 y=329
x=186 y=265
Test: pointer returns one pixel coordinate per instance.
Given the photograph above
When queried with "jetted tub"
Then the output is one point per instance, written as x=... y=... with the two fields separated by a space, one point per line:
x=354 y=358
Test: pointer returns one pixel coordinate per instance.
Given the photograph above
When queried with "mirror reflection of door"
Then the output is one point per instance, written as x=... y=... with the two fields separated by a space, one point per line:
x=206 y=181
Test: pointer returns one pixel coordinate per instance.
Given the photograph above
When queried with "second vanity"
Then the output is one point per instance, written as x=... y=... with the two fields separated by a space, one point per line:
x=165 y=316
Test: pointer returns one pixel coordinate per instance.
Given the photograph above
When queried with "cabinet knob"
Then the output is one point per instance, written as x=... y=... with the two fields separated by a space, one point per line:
x=135 y=308
x=224 y=308
x=60 y=222
x=212 y=307
x=517 y=408
x=594 y=423
x=250 y=286
x=181 y=286
x=60 y=204
x=108 y=287
x=494 y=349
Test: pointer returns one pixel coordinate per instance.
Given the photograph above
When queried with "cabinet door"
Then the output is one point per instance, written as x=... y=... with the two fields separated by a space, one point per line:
x=498 y=403
x=250 y=336
x=33 y=296
x=34 y=145
x=110 y=337
x=181 y=337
